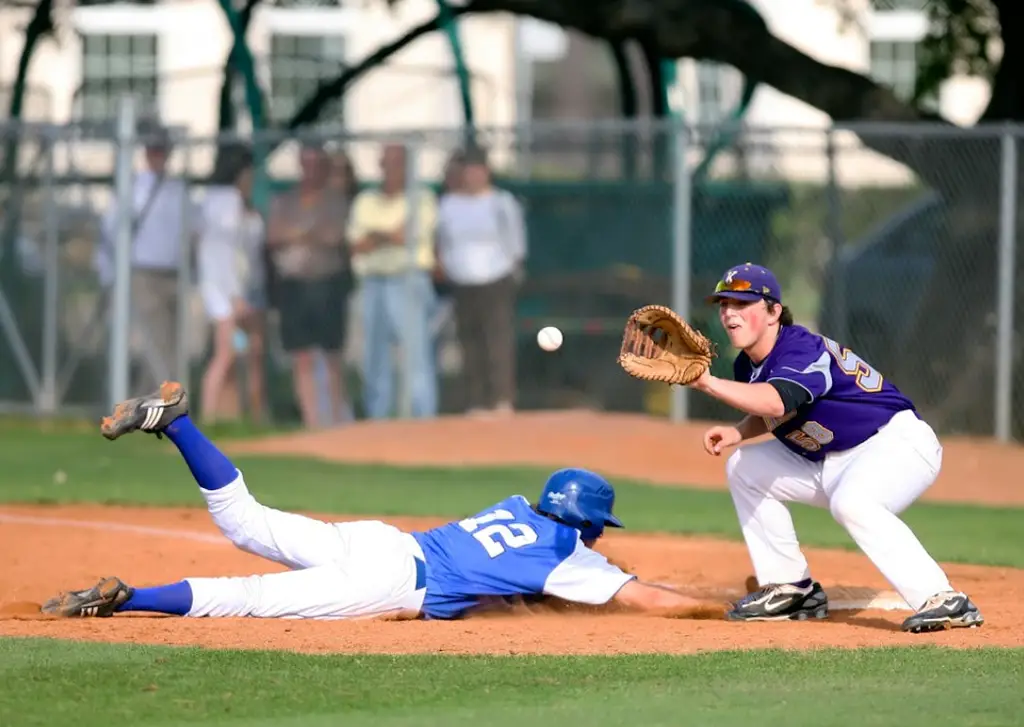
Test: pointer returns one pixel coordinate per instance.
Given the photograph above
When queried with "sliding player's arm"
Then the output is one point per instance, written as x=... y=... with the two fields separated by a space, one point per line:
x=659 y=600
x=587 y=577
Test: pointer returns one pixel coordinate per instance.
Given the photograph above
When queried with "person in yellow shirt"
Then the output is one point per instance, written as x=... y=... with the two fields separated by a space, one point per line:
x=395 y=279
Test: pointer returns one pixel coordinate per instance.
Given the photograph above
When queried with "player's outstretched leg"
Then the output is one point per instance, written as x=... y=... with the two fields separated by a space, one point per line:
x=872 y=485
x=111 y=595
x=328 y=580
x=388 y=580
x=292 y=540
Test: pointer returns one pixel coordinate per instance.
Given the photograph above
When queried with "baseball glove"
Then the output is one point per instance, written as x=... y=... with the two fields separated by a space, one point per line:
x=658 y=345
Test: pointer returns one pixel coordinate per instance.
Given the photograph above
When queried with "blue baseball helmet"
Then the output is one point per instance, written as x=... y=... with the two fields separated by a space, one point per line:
x=581 y=499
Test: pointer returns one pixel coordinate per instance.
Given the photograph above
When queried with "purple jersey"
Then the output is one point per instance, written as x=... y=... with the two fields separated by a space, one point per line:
x=850 y=400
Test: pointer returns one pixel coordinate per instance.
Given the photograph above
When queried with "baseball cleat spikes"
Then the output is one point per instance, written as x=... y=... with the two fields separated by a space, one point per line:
x=150 y=413
x=100 y=601
x=781 y=602
x=946 y=610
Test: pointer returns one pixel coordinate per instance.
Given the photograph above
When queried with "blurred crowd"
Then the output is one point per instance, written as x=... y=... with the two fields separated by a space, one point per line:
x=329 y=255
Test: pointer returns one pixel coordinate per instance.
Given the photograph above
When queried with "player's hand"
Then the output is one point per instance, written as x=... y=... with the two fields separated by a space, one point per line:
x=702 y=382
x=717 y=439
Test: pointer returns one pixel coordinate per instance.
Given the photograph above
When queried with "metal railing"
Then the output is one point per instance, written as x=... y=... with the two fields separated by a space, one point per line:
x=897 y=240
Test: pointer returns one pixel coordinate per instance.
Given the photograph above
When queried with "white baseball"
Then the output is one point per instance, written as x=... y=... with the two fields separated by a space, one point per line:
x=549 y=338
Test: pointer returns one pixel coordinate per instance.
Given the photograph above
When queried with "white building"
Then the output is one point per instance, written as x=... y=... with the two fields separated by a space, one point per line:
x=881 y=39
x=171 y=53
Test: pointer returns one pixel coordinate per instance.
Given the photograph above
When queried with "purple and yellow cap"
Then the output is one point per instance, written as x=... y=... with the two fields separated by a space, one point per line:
x=747 y=282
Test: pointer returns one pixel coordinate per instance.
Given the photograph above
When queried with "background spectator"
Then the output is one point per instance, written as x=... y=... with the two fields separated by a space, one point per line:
x=397 y=288
x=163 y=218
x=306 y=244
x=341 y=176
x=231 y=280
x=481 y=247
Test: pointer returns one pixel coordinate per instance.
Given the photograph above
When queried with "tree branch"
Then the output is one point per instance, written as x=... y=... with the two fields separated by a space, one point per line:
x=227 y=108
x=328 y=91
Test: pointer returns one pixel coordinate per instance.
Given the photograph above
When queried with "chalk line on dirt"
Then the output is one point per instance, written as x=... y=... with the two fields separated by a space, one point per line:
x=109 y=526
x=850 y=599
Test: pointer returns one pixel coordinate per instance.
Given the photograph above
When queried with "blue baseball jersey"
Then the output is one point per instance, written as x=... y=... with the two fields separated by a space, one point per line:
x=511 y=550
x=850 y=400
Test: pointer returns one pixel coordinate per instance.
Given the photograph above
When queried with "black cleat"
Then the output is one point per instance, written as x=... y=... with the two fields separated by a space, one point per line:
x=946 y=610
x=781 y=602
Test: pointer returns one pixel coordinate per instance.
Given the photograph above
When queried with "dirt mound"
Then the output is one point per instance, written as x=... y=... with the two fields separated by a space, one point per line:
x=152 y=546
x=634 y=446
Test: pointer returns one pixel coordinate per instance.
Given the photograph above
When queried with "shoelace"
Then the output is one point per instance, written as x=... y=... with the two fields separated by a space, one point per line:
x=937 y=600
x=763 y=591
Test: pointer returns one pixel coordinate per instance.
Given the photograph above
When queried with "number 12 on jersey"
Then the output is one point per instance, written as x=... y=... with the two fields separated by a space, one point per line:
x=512 y=535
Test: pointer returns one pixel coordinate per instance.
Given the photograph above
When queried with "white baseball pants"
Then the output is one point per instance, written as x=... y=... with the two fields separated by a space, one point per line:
x=361 y=569
x=865 y=488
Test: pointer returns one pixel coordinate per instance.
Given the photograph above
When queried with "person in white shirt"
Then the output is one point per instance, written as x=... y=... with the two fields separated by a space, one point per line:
x=163 y=219
x=232 y=279
x=481 y=249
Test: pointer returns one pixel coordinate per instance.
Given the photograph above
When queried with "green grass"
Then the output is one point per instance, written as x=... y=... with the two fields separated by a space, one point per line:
x=146 y=471
x=46 y=682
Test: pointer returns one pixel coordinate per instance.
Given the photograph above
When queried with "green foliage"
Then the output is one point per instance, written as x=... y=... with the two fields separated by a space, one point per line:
x=963 y=39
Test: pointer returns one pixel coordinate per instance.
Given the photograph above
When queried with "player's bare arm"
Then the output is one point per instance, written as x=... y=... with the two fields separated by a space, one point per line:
x=719 y=438
x=760 y=399
x=662 y=601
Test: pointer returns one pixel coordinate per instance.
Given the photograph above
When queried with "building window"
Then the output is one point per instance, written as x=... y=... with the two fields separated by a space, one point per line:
x=888 y=5
x=894 y=63
x=298 y=63
x=303 y=4
x=718 y=92
x=96 y=3
x=115 y=64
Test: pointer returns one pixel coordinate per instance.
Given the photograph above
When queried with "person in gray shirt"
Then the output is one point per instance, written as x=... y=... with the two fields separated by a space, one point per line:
x=311 y=279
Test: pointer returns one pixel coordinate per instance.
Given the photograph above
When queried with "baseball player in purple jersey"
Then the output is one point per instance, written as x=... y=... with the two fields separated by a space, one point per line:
x=843 y=437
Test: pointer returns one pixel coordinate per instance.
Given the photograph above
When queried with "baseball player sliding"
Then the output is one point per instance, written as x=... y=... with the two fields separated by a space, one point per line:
x=843 y=437
x=368 y=569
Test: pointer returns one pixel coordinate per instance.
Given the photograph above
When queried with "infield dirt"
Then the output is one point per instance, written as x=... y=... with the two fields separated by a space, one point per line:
x=52 y=548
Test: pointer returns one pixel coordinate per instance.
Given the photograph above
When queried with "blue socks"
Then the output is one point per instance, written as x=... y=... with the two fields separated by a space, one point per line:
x=805 y=583
x=175 y=599
x=210 y=468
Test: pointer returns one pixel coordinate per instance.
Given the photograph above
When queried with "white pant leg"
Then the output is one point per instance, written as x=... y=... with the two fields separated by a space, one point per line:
x=376 y=579
x=871 y=484
x=283 y=537
x=762 y=478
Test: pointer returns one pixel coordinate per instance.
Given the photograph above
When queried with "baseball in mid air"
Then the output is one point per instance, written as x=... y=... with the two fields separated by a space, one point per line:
x=549 y=338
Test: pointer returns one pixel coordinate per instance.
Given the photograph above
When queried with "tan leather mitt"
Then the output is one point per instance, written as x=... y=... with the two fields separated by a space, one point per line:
x=658 y=345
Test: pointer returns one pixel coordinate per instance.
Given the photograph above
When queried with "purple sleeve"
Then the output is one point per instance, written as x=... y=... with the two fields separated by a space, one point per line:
x=805 y=362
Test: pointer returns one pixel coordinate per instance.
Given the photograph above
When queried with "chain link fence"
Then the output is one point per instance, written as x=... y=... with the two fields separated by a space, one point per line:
x=898 y=242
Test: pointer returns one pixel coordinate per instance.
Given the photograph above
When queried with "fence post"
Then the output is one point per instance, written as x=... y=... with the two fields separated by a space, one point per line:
x=181 y=362
x=682 y=201
x=51 y=287
x=1007 y=270
x=120 y=309
x=834 y=229
x=412 y=302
